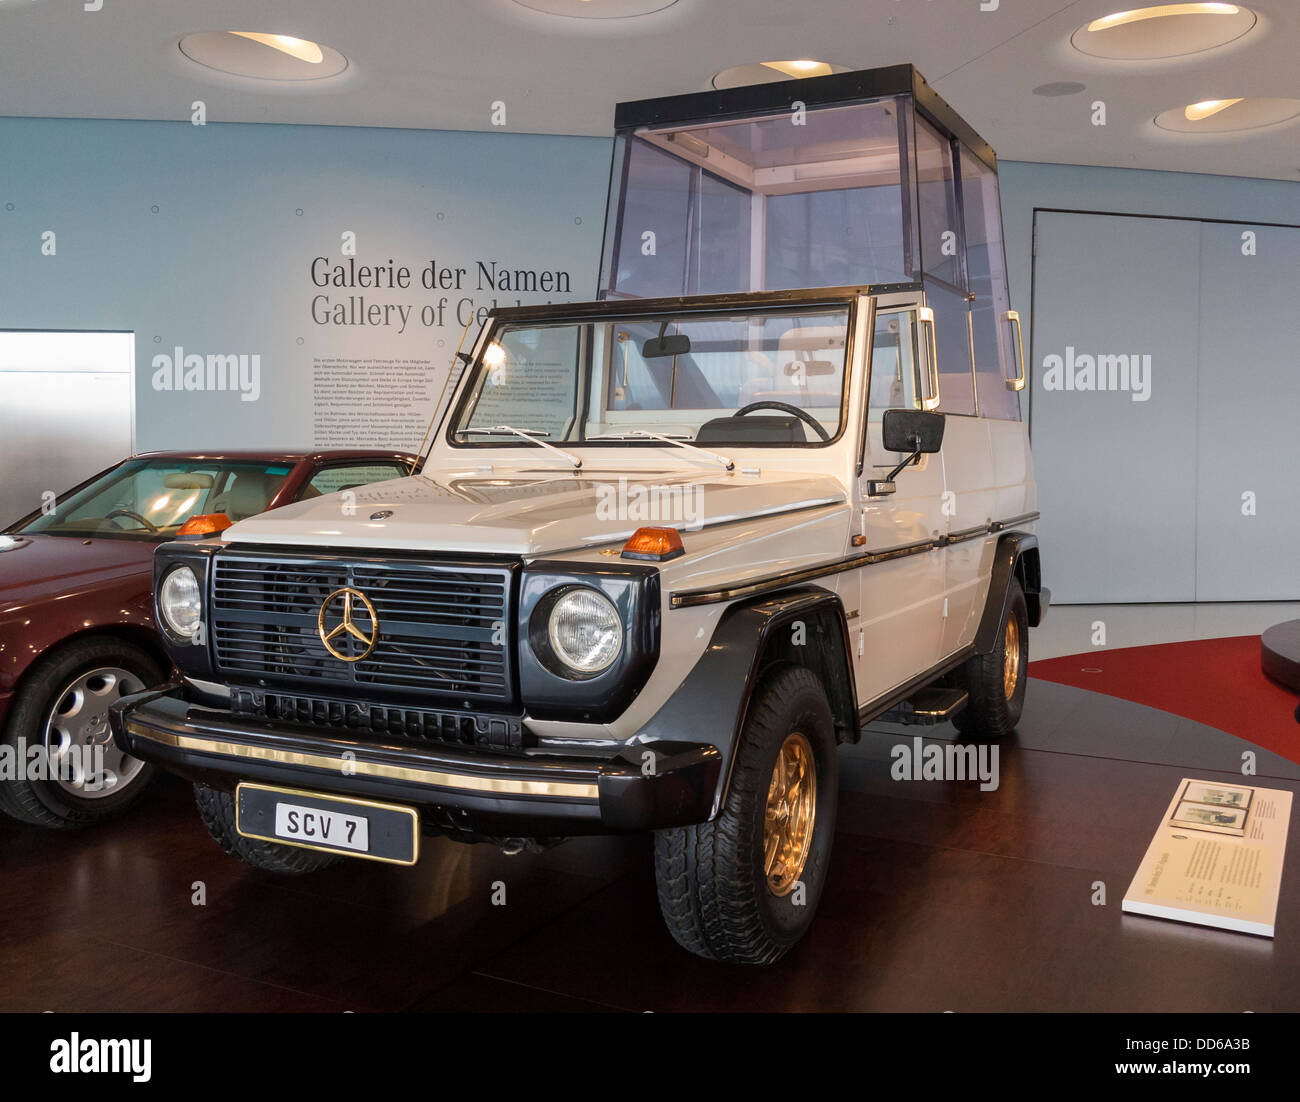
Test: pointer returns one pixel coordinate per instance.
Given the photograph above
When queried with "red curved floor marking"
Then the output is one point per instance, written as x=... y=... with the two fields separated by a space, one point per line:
x=1217 y=682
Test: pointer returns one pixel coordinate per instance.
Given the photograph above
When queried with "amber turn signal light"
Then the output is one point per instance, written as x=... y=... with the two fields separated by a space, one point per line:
x=655 y=544
x=204 y=524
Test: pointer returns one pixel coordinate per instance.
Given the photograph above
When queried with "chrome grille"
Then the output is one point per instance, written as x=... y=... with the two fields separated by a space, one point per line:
x=444 y=626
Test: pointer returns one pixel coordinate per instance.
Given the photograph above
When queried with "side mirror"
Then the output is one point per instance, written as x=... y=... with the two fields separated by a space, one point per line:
x=917 y=431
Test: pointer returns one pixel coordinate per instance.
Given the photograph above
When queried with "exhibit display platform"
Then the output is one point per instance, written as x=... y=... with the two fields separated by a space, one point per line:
x=943 y=897
x=1279 y=656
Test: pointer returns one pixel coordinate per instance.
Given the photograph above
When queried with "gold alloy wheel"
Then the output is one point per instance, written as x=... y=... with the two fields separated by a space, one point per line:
x=790 y=814
x=1011 y=656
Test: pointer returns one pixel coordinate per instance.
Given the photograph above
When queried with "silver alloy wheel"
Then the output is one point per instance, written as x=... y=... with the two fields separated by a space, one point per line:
x=84 y=761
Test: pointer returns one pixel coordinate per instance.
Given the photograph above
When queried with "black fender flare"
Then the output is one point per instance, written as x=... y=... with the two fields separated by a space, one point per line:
x=711 y=704
x=1016 y=556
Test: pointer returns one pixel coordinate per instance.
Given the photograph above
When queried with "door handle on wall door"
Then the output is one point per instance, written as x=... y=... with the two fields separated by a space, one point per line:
x=1018 y=383
x=925 y=317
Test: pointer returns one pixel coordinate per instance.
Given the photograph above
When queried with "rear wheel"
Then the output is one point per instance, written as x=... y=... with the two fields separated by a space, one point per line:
x=995 y=682
x=744 y=887
x=217 y=810
x=62 y=710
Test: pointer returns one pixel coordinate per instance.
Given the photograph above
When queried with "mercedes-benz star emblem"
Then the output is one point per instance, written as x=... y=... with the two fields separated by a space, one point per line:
x=348 y=625
x=382 y=514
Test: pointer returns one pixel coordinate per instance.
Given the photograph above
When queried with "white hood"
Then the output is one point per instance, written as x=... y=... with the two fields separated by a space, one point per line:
x=529 y=512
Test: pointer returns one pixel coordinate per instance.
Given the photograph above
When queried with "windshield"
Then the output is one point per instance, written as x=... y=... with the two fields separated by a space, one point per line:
x=761 y=378
x=151 y=498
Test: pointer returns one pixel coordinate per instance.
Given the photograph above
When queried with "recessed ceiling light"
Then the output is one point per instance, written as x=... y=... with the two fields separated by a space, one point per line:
x=1163 y=31
x=597 y=9
x=1195 y=112
x=766 y=72
x=1226 y=116
x=263 y=56
x=801 y=68
x=300 y=48
x=1137 y=15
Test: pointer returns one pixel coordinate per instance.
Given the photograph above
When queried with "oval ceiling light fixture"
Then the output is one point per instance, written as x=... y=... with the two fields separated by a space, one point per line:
x=767 y=72
x=1228 y=116
x=1159 y=11
x=1163 y=31
x=1195 y=112
x=300 y=48
x=597 y=9
x=262 y=56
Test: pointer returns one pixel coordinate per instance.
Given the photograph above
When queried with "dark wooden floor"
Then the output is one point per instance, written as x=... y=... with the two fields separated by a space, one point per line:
x=941 y=897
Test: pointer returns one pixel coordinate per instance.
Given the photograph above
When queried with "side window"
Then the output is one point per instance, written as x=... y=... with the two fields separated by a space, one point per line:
x=657 y=198
x=347 y=476
x=895 y=359
x=987 y=271
x=943 y=267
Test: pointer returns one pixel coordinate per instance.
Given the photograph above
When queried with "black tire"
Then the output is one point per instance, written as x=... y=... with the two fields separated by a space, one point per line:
x=714 y=891
x=46 y=803
x=217 y=810
x=990 y=713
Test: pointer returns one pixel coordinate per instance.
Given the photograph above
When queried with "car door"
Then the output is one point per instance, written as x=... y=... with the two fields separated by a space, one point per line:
x=970 y=503
x=899 y=630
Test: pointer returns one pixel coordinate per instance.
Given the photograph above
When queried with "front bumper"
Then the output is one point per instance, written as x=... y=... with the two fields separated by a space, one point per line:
x=528 y=794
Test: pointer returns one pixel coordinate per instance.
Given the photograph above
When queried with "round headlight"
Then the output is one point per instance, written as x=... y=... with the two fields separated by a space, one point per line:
x=179 y=601
x=584 y=631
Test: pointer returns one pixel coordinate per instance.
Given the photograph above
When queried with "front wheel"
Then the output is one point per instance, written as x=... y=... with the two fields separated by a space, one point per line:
x=995 y=682
x=61 y=714
x=743 y=888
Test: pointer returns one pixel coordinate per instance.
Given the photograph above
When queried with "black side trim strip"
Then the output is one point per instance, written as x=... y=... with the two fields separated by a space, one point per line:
x=689 y=598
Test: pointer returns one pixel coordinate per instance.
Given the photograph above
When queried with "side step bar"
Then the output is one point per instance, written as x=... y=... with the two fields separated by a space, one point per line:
x=927 y=707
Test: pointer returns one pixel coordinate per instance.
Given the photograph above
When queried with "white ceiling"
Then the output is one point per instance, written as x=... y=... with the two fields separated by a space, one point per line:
x=440 y=64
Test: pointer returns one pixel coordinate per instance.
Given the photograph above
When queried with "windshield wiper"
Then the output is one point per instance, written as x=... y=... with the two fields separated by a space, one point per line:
x=532 y=436
x=681 y=442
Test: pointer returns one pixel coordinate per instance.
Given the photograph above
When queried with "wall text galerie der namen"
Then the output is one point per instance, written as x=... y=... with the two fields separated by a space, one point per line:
x=479 y=278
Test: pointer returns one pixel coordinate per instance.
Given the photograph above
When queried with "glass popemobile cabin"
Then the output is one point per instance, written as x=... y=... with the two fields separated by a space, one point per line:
x=669 y=548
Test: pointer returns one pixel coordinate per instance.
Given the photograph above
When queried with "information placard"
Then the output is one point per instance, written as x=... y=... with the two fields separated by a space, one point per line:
x=1216 y=859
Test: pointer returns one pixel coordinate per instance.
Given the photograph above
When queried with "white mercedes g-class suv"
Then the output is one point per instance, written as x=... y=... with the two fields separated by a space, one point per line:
x=668 y=549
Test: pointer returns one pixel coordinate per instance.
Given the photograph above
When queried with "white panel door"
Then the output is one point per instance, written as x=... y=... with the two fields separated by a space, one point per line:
x=1248 y=471
x=1113 y=406
x=66 y=402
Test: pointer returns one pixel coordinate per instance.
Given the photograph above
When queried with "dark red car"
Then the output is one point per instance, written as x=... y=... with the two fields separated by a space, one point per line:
x=76 y=609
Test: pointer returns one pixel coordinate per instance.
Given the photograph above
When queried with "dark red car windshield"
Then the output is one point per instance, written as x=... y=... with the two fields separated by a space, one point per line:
x=148 y=499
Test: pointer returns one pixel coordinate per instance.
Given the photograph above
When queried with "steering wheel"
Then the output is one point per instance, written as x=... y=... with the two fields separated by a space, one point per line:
x=803 y=415
x=144 y=521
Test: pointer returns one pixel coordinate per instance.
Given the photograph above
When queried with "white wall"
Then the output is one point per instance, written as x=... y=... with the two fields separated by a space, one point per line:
x=202 y=238
x=1187 y=492
x=1026 y=186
